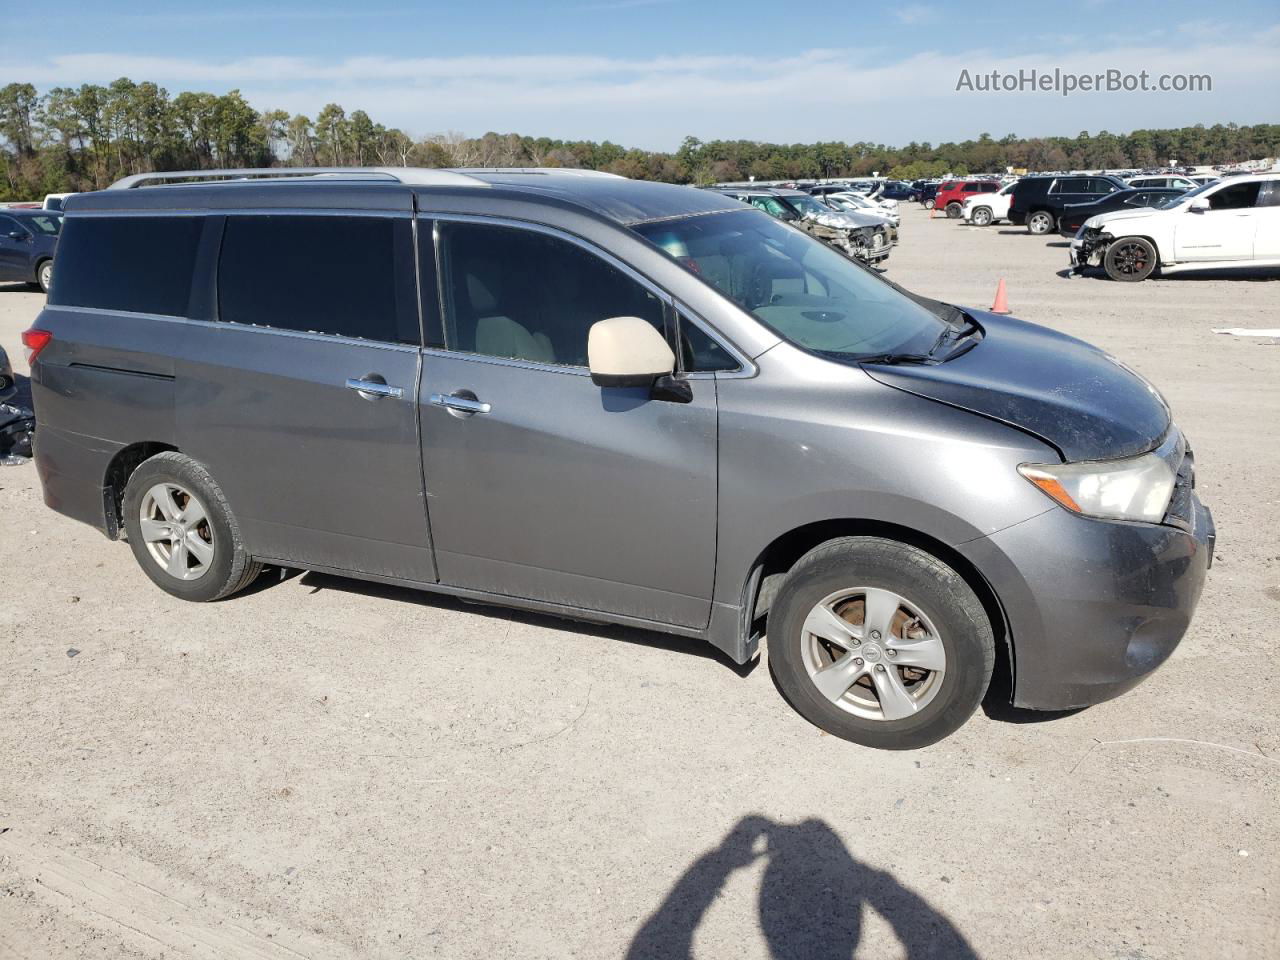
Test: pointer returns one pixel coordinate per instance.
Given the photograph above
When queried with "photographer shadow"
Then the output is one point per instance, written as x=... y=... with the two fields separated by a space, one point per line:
x=811 y=899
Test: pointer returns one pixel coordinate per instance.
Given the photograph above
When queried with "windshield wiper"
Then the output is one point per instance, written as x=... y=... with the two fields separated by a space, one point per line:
x=892 y=358
x=954 y=334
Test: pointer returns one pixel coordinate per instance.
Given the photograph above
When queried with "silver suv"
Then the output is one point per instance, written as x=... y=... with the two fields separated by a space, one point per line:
x=615 y=401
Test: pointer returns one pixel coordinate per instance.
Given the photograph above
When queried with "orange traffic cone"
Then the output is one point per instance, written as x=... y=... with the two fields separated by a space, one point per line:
x=1001 y=304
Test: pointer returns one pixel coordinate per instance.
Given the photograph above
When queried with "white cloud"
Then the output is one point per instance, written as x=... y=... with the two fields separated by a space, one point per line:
x=915 y=13
x=850 y=94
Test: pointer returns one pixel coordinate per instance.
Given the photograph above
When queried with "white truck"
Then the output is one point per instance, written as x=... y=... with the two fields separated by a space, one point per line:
x=1231 y=223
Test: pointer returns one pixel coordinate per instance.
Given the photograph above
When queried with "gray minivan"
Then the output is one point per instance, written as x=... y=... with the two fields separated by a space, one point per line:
x=615 y=401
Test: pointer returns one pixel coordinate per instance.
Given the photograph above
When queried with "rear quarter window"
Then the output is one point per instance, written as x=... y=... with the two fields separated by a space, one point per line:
x=136 y=264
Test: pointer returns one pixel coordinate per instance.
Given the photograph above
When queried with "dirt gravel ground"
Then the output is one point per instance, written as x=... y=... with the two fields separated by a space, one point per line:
x=324 y=768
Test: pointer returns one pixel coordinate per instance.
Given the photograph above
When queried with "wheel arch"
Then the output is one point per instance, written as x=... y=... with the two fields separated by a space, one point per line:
x=775 y=560
x=119 y=470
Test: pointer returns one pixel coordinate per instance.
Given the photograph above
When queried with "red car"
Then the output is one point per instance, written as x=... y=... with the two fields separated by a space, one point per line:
x=954 y=195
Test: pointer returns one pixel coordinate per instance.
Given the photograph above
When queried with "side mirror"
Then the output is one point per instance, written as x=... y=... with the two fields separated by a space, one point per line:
x=627 y=352
x=1199 y=205
x=17 y=235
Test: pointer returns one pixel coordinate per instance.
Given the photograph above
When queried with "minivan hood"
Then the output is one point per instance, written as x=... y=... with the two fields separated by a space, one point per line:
x=1067 y=392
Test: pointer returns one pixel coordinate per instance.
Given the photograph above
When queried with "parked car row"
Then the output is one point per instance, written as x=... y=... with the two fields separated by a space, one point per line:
x=1133 y=228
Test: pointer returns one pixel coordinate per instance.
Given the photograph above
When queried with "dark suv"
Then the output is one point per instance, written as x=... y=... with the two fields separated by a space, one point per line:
x=1039 y=202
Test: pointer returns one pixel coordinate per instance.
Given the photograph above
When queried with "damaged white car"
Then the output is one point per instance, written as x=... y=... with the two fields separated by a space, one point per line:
x=1231 y=223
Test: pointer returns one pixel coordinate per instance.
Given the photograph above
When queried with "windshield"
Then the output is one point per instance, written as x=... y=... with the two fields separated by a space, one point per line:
x=1174 y=201
x=797 y=286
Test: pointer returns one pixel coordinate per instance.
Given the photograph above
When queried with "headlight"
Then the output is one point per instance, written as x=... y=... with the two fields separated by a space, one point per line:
x=1138 y=488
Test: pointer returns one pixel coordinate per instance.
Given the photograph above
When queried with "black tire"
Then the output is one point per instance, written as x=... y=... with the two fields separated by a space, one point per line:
x=982 y=216
x=1041 y=222
x=44 y=275
x=932 y=588
x=927 y=203
x=229 y=570
x=1130 y=259
x=954 y=210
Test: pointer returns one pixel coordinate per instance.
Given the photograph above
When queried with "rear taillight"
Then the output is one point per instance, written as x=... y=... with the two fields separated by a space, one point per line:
x=34 y=341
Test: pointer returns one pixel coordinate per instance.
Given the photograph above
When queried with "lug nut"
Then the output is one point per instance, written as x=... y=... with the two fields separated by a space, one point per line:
x=892 y=652
x=857 y=661
x=875 y=634
x=880 y=667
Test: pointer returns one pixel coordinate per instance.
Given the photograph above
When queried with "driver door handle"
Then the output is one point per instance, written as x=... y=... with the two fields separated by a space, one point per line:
x=371 y=389
x=451 y=401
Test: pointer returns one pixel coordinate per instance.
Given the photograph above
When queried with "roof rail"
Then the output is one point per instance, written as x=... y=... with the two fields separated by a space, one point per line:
x=414 y=176
x=543 y=171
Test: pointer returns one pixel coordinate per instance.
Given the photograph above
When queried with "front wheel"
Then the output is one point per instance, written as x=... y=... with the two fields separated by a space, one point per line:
x=928 y=204
x=1130 y=259
x=182 y=532
x=982 y=216
x=1040 y=222
x=880 y=643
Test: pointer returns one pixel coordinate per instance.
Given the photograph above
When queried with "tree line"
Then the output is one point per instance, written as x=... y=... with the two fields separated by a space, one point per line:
x=85 y=137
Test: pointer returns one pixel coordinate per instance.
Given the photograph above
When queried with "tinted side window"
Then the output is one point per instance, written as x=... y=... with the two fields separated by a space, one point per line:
x=140 y=264
x=520 y=294
x=346 y=276
x=1235 y=197
x=1269 y=194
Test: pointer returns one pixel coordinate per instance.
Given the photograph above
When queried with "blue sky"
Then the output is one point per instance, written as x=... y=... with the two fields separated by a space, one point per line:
x=648 y=72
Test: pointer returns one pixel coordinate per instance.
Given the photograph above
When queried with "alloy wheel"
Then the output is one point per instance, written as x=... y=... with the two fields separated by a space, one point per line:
x=1131 y=259
x=176 y=529
x=873 y=653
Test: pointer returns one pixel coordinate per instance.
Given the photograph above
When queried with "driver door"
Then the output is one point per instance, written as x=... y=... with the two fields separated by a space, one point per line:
x=1223 y=232
x=541 y=484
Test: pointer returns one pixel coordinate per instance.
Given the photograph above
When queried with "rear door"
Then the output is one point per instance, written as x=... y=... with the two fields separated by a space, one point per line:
x=301 y=396
x=1266 y=239
x=543 y=485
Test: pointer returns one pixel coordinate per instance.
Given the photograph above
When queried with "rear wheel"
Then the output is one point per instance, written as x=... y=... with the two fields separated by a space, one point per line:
x=982 y=216
x=1040 y=222
x=880 y=643
x=44 y=275
x=182 y=532
x=1130 y=259
x=953 y=210
x=928 y=203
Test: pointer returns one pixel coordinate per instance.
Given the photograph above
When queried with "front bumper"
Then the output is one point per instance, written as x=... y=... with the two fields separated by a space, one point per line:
x=1087 y=246
x=1093 y=606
